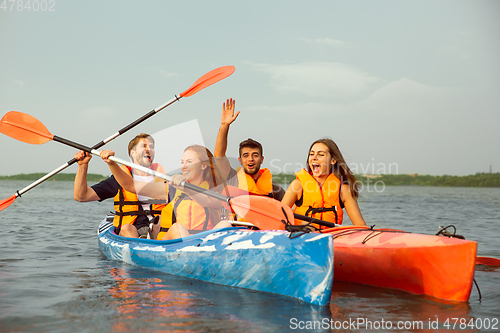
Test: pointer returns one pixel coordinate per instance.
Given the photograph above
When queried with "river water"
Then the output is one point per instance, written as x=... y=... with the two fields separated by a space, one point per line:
x=53 y=278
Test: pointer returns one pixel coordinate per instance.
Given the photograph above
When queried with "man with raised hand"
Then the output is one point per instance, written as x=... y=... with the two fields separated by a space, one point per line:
x=250 y=176
x=133 y=212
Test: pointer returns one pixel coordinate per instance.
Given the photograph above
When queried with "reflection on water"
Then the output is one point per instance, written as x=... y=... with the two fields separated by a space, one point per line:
x=140 y=298
x=353 y=301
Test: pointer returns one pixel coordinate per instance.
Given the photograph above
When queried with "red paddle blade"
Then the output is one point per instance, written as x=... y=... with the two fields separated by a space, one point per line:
x=489 y=261
x=7 y=202
x=208 y=79
x=25 y=128
x=264 y=212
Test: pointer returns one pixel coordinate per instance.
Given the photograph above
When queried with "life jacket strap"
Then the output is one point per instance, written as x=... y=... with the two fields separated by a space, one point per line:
x=312 y=211
x=138 y=212
x=145 y=202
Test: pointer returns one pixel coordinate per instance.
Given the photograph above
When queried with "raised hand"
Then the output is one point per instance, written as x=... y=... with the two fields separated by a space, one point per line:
x=228 y=115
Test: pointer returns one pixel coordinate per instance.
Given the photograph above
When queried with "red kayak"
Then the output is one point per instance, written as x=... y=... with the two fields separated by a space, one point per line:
x=437 y=266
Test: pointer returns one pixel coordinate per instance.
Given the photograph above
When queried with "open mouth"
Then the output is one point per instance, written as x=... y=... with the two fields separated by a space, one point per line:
x=316 y=168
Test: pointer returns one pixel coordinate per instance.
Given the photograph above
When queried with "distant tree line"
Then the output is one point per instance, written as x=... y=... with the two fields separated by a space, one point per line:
x=477 y=180
x=92 y=177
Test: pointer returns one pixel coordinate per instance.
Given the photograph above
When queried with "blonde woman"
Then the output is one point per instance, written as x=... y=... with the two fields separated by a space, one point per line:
x=187 y=210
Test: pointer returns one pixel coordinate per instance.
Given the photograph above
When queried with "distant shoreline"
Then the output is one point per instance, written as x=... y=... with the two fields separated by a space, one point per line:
x=477 y=180
x=58 y=177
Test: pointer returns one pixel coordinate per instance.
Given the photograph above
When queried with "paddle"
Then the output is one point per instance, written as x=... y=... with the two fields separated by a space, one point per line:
x=488 y=261
x=204 y=81
x=26 y=128
x=275 y=225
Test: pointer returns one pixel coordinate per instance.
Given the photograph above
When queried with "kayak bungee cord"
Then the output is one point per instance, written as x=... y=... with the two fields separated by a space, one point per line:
x=444 y=232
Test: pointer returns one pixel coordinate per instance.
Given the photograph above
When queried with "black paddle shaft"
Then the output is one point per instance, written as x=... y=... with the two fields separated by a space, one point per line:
x=120 y=132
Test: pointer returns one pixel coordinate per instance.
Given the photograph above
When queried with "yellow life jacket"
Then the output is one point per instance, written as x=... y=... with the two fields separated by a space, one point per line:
x=323 y=202
x=184 y=210
x=127 y=204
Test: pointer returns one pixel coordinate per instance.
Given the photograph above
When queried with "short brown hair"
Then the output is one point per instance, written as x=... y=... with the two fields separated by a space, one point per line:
x=250 y=143
x=137 y=139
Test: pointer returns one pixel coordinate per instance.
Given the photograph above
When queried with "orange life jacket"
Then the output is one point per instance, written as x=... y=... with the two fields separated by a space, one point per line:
x=127 y=204
x=263 y=186
x=184 y=210
x=323 y=202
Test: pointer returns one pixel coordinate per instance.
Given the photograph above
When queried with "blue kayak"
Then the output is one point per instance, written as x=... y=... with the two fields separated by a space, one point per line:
x=269 y=261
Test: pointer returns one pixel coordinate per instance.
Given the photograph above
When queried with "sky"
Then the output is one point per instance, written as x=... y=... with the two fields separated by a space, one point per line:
x=402 y=87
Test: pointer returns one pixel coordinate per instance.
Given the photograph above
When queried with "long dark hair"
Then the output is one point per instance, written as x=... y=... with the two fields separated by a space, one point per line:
x=340 y=169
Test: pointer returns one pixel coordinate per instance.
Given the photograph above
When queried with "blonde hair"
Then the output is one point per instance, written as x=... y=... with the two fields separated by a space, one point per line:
x=211 y=174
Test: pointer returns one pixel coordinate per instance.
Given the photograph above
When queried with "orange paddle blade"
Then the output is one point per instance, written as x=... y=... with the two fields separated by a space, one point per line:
x=7 y=202
x=489 y=261
x=208 y=79
x=25 y=128
x=264 y=212
x=232 y=191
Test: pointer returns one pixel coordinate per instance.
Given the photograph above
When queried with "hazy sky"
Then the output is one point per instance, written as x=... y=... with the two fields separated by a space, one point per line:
x=401 y=86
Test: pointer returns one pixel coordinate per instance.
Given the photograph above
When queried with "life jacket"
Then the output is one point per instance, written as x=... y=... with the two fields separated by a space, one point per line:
x=263 y=186
x=127 y=205
x=323 y=202
x=184 y=210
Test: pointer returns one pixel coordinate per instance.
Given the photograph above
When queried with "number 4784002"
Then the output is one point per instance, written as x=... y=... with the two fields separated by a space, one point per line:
x=472 y=323
x=28 y=5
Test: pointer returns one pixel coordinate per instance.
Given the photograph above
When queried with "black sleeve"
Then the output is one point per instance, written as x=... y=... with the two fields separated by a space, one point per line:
x=278 y=192
x=106 y=189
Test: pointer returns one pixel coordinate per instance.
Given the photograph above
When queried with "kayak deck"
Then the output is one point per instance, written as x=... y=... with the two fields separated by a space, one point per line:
x=268 y=261
x=438 y=266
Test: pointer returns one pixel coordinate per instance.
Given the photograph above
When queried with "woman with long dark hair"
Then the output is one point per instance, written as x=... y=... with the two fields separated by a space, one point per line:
x=326 y=187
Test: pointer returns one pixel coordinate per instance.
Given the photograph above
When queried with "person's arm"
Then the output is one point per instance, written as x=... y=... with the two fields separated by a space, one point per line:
x=227 y=118
x=351 y=206
x=81 y=191
x=152 y=190
x=278 y=192
x=293 y=193
x=201 y=198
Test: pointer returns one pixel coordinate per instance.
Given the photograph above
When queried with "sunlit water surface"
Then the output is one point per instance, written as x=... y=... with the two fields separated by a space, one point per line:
x=53 y=278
